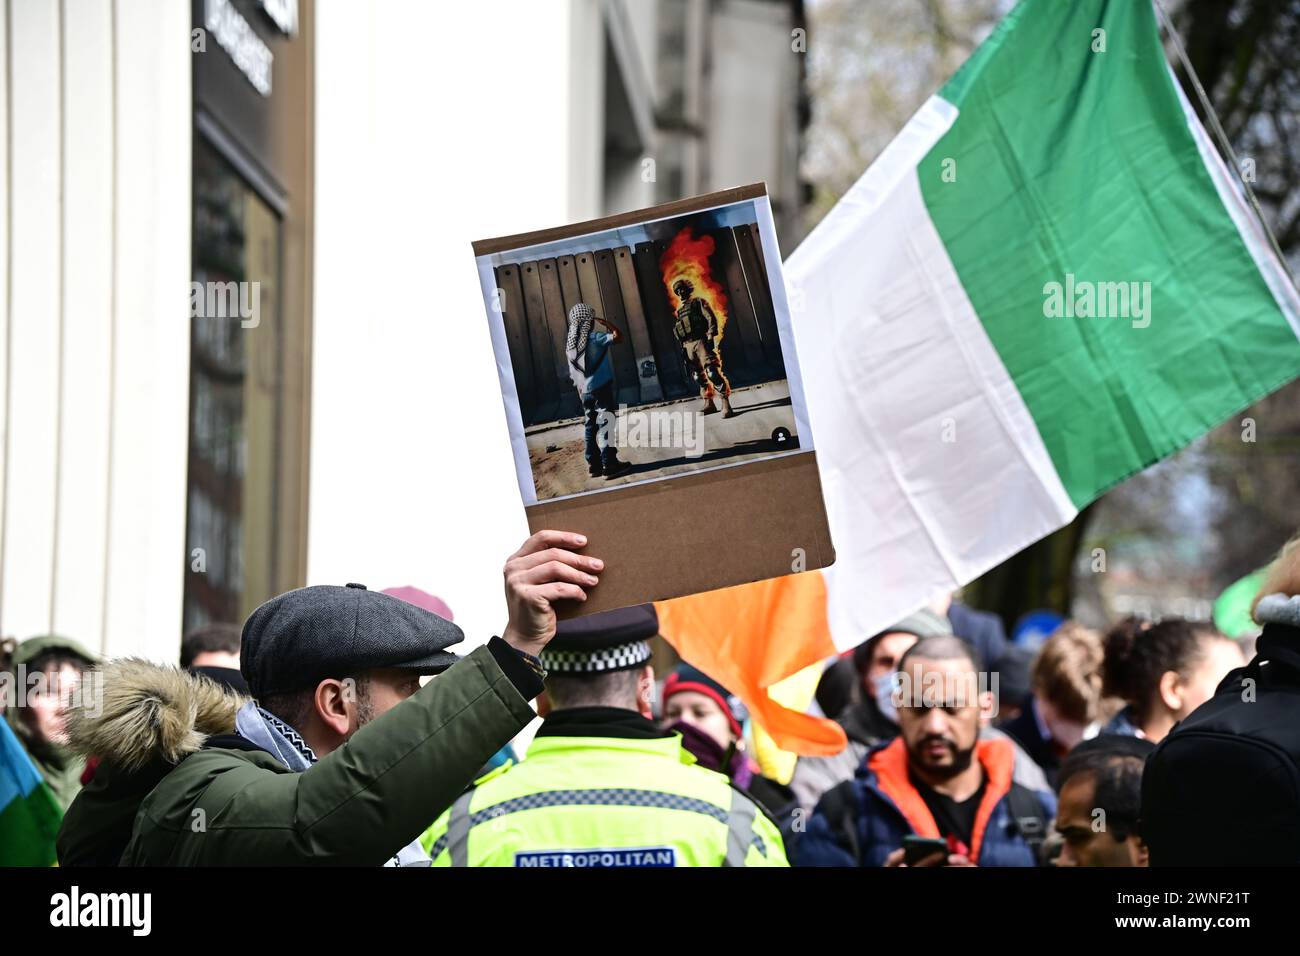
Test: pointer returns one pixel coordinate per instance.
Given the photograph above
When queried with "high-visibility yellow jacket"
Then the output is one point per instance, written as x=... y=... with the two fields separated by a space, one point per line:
x=604 y=801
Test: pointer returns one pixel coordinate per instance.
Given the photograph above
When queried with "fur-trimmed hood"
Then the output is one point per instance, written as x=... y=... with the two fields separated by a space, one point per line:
x=150 y=712
x=1279 y=608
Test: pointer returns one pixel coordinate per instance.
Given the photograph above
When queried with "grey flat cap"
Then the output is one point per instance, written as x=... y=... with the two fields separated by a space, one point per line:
x=299 y=638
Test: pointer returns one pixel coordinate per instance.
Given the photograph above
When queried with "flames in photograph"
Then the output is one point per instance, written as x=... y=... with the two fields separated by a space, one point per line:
x=688 y=257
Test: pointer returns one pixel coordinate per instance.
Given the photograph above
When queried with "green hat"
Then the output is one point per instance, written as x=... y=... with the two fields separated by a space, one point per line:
x=922 y=623
x=34 y=647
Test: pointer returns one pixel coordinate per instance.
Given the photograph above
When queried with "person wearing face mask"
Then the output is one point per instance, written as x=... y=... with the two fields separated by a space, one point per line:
x=937 y=794
x=870 y=717
x=711 y=721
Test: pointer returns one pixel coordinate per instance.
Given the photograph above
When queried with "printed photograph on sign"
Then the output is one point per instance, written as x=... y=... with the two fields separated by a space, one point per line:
x=646 y=351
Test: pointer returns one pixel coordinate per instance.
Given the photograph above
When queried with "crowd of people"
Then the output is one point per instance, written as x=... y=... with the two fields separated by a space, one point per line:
x=337 y=726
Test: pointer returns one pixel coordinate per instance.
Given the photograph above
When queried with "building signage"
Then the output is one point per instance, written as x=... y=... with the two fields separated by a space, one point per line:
x=234 y=35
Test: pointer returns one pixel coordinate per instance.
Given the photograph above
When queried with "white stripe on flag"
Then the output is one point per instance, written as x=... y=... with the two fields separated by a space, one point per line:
x=1234 y=201
x=893 y=354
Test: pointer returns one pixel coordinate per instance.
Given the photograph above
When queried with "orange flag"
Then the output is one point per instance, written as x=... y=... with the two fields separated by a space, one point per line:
x=752 y=636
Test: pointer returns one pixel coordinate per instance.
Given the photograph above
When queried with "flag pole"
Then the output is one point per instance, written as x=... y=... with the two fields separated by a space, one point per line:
x=1217 y=129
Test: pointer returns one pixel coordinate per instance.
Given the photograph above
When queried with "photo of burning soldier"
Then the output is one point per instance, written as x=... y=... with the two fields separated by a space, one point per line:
x=697 y=332
x=651 y=349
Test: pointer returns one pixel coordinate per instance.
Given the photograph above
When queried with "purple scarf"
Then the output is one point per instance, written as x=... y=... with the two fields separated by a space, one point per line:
x=711 y=755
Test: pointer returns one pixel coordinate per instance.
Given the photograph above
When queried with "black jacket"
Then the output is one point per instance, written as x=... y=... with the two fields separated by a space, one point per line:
x=1024 y=731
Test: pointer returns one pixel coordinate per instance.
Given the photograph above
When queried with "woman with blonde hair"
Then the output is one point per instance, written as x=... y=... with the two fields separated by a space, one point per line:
x=1066 y=704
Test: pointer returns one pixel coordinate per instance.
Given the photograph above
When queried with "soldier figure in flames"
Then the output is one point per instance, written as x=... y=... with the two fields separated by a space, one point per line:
x=696 y=331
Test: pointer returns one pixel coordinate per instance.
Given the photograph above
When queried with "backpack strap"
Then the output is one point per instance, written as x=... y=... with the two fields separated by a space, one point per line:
x=840 y=807
x=1029 y=818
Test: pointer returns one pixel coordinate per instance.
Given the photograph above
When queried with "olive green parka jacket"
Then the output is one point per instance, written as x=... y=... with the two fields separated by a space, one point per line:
x=176 y=786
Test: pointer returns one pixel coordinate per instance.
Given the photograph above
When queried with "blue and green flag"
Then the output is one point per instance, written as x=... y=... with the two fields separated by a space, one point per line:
x=29 y=813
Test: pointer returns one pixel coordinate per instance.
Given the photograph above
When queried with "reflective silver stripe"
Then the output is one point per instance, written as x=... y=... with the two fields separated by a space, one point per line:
x=458 y=830
x=740 y=828
x=616 y=797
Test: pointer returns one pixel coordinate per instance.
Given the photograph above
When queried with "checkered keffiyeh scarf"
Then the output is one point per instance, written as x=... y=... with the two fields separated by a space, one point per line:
x=582 y=318
x=274 y=736
x=277 y=738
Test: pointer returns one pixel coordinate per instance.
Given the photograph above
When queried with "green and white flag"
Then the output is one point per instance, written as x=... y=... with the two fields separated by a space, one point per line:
x=1047 y=282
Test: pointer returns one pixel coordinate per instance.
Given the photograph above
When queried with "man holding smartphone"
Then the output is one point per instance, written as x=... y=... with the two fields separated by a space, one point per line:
x=936 y=795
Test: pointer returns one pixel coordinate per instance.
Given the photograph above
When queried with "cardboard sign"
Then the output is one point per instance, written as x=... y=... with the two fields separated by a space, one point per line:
x=653 y=396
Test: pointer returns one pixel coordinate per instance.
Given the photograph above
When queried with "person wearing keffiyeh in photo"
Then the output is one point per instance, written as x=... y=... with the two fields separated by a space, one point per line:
x=591 y=367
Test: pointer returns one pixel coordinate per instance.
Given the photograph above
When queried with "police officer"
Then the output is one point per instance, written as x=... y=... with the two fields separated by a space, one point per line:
x=602 y=785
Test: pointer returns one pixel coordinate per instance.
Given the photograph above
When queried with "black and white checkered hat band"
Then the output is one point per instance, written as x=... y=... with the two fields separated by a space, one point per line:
x=620 y=657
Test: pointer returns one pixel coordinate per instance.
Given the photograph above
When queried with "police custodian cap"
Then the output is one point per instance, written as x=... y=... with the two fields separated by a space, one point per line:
x=602 y=643
x=301 y=637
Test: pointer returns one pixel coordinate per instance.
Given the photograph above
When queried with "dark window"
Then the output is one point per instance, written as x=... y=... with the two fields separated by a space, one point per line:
x=236 y=396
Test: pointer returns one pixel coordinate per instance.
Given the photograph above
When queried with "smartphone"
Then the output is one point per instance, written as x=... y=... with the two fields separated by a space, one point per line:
x=916 y=849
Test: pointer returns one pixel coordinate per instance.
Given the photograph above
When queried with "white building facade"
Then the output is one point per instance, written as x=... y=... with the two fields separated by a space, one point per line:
x=162 y=468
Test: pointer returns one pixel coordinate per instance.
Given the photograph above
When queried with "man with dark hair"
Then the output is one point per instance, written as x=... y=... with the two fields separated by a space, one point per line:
x=212 y=645
x=346 y=758
x=602 y=785
x=213 y=651
x=1099 y=799
x=938 y=780
x=870 y=718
